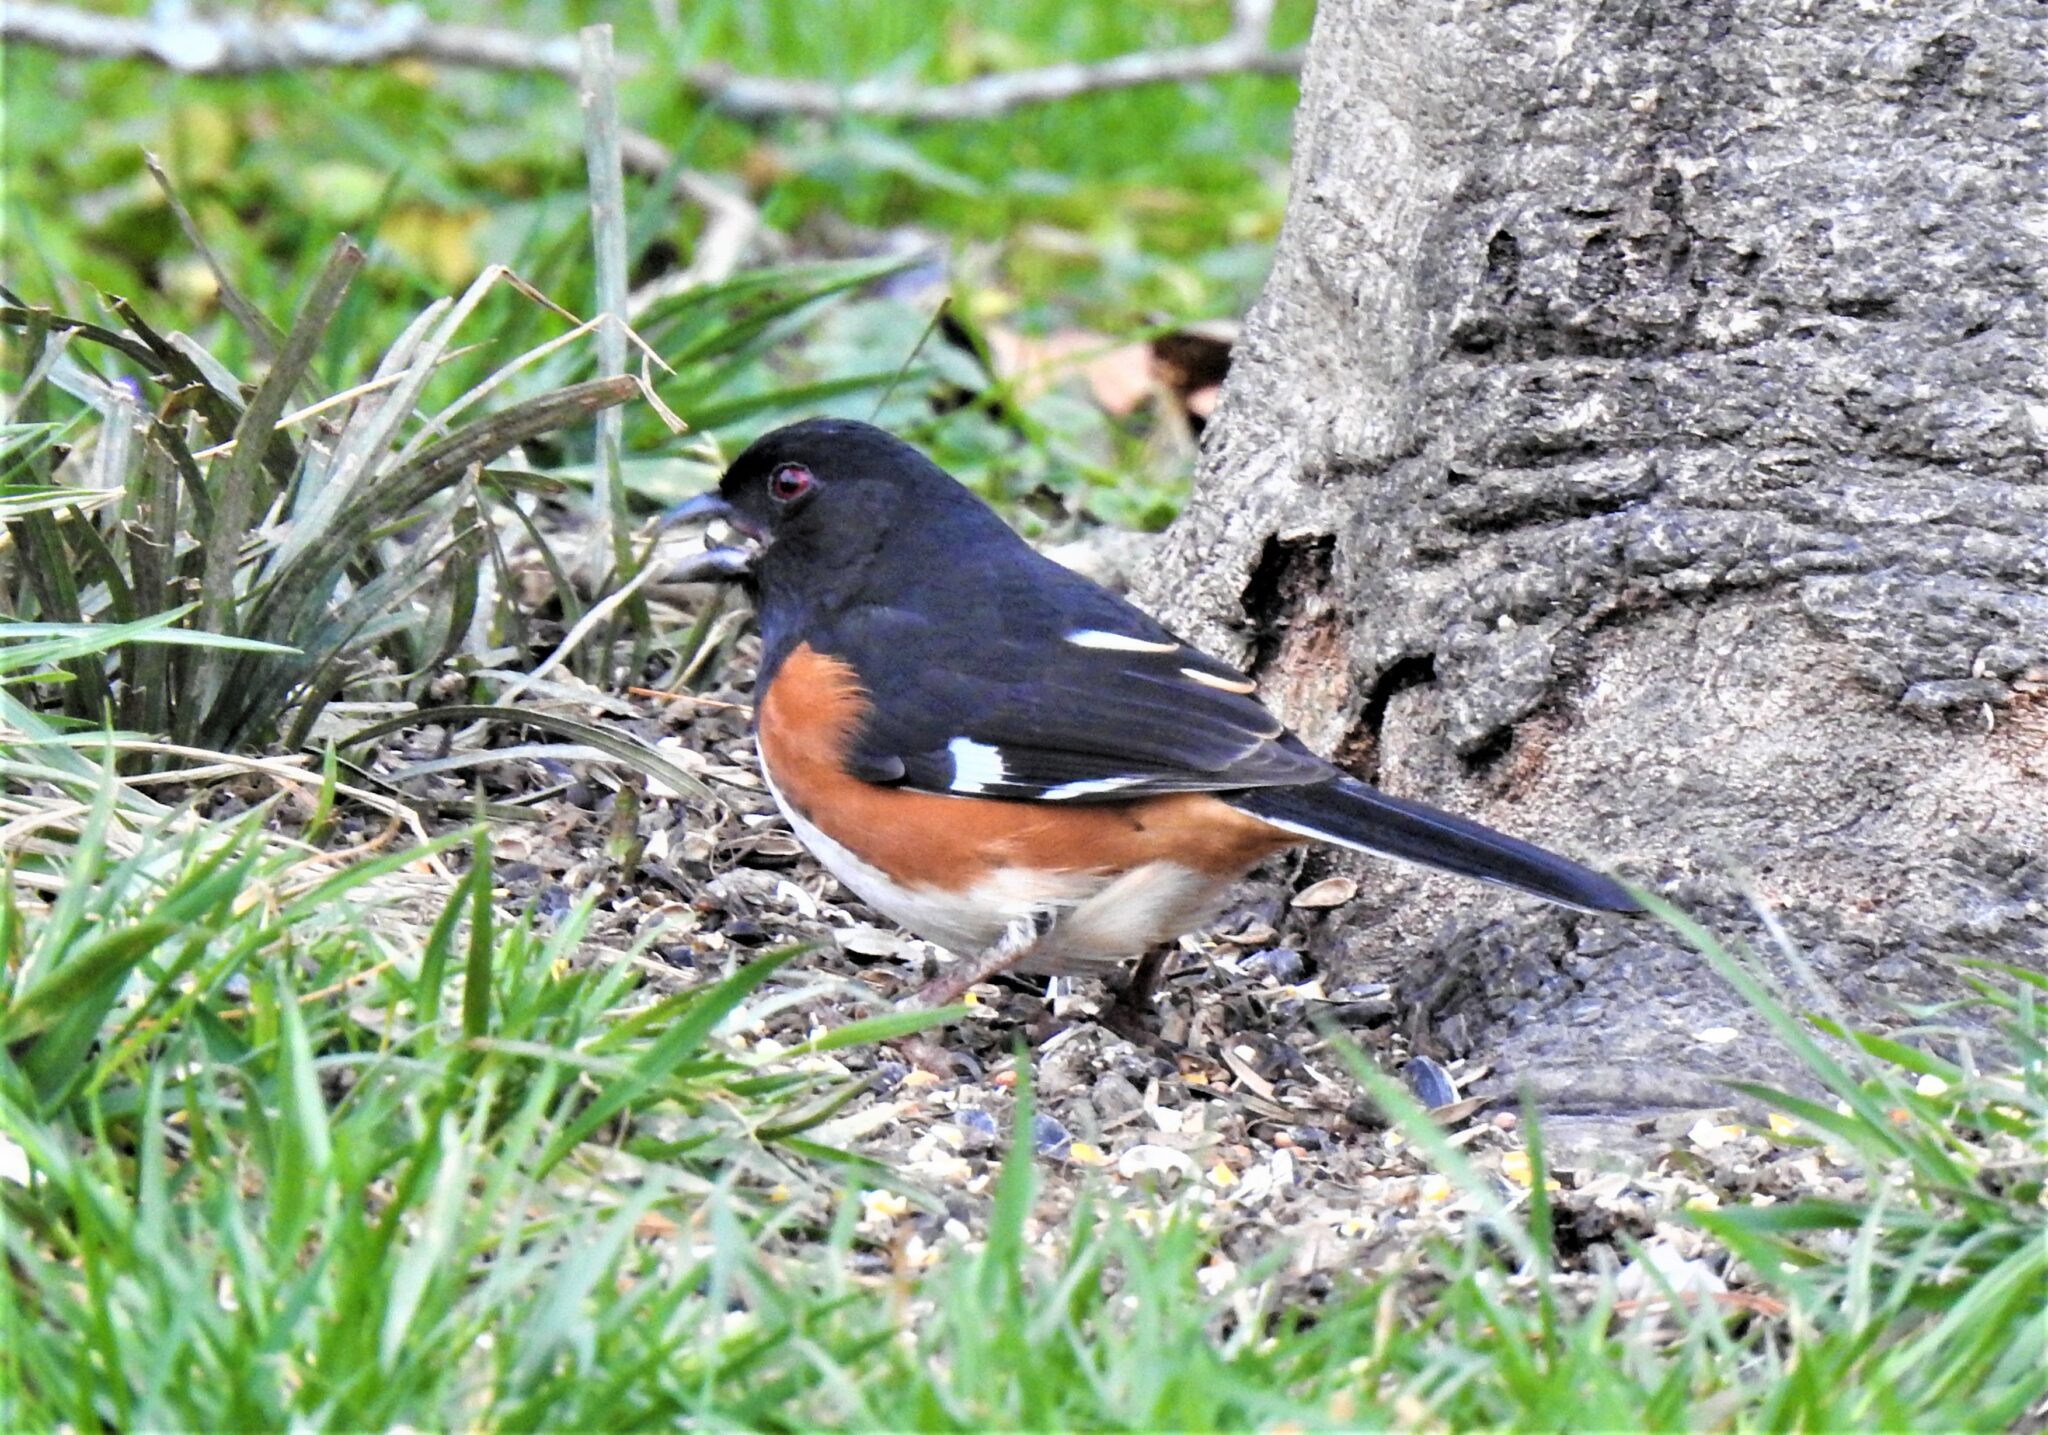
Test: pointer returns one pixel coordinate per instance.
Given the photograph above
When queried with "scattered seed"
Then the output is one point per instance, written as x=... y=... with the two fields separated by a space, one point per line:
x=1330 y=892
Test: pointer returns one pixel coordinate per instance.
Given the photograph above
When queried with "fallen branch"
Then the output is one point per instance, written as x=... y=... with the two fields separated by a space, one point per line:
x=991 y=96
x=240 y=44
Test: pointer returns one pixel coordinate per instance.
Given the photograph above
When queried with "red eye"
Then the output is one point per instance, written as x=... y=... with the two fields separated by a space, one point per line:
x=790 y=481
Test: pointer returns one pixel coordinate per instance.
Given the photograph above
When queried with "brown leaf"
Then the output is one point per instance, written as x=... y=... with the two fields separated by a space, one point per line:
x=1119 y=376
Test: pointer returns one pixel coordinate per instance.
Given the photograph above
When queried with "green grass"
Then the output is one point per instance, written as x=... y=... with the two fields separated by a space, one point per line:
x=287 y=1139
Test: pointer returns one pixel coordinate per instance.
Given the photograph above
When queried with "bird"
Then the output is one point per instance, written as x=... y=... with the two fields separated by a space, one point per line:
x=1007 y=759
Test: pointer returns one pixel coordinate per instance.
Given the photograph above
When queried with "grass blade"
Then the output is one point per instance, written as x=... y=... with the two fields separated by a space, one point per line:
x=598 y=75
x=264 y=335
x=666 y=1053
x=476 y=971
x=235 y=482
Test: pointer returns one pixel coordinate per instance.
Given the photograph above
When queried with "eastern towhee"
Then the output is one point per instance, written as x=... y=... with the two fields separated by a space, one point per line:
x=1007 y=759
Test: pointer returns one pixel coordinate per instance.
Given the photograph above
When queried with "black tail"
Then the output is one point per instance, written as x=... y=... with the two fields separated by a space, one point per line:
x=1353 y=815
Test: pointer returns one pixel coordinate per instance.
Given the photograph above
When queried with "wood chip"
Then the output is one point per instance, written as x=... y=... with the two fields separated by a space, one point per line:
x=1452 y=1112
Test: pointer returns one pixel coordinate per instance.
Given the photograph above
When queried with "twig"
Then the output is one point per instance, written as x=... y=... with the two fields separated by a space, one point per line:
x=238 y=44
x=335 y=401
x=242 y=44
x=287 y=772
x=353 y=979
x=678 y=696
x=1242 y=51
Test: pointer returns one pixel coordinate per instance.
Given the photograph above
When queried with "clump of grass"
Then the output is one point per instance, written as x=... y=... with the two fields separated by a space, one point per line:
x=325 y=536
x=1921 y=1305
x=286 y=1137
x=1926 y=1304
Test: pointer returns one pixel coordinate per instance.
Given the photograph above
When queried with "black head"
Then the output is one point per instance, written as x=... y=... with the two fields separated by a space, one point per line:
x=822 y=498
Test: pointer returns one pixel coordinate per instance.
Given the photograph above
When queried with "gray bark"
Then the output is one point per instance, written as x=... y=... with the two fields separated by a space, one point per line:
x=1640 y=445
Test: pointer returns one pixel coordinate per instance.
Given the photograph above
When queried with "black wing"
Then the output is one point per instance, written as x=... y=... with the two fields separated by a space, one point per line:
x=1058 y=691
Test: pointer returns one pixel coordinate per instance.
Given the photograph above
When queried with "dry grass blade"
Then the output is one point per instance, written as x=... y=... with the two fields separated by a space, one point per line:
x=438 y=425
x=575 y=636
x=629 y=751
x=600 y=99
x=483 y=757
x=374 y=429
x=329 y=481
x=335 y=401
x=289 y=773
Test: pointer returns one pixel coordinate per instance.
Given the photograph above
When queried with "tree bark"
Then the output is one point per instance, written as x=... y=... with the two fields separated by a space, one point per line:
x=1639 y=445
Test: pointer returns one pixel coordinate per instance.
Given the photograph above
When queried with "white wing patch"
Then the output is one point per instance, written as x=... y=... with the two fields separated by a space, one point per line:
x=976 y=766
x=1219 y=682
x=1089 y=787
x=1117 y=642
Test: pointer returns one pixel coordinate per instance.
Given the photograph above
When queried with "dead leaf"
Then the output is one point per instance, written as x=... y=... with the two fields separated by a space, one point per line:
x=1119 y=376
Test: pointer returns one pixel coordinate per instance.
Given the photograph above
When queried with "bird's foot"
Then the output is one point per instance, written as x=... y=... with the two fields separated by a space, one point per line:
x=1018 y=941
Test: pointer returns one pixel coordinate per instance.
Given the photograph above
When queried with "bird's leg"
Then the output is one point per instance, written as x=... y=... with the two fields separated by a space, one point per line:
x=1141 y=988
x=1131 y=1013
x=1018 y=941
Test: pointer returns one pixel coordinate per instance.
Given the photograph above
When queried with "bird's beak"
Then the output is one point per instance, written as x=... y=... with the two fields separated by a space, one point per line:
x=713 y=564
x=701 y=509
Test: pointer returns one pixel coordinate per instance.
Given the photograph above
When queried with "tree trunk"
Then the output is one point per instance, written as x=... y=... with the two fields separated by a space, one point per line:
x=1639 y=446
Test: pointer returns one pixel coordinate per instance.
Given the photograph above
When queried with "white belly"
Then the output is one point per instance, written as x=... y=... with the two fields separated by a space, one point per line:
x=1098 y=923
